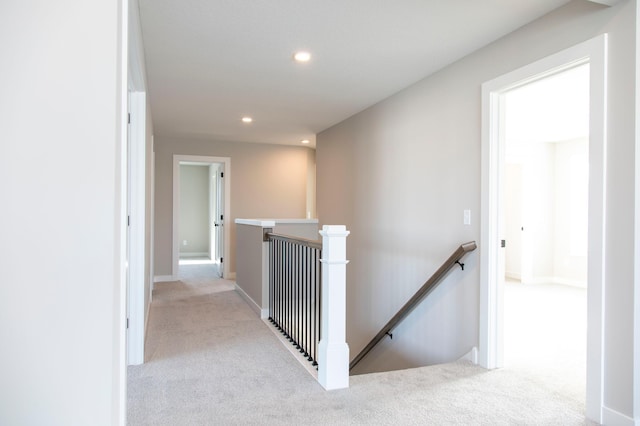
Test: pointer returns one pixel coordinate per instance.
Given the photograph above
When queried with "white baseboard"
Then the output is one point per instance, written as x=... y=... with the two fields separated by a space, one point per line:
x=163 y=278
x=513 y=275
x=262 y=313
x=146 y=320
x=554 y=280
x=472 y=356
x=538 y=280
x=296 y=353
x=572 y=283
x=613 y=418
x=194 y=254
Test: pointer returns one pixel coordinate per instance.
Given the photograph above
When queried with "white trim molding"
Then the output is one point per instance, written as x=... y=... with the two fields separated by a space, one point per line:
x=137 y=223
x=262 y=313
x=606 y=2
x=636 y=272
x=594 y=52
x=613 y=418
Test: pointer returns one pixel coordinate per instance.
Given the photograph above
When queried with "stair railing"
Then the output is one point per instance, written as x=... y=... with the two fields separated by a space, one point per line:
x=307 y=299
x=294 y=290
x=427 y=288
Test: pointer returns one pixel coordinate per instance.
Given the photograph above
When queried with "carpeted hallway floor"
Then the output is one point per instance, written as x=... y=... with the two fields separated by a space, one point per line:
x=211 y=361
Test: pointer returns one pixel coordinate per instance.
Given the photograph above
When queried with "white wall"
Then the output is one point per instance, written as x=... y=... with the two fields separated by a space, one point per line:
x=513 y=220
x=194 y=209
x=571 y=213
x=538 y=212
x=400 y=174
x=542 y=212
x=61 y=116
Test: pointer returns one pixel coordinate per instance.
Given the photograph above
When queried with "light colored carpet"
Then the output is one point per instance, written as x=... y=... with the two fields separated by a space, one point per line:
x=546 y=335
x=211 y=361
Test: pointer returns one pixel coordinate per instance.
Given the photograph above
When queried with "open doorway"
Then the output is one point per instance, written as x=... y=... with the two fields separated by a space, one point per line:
x=200 y=204
x=200 y=211
x=492 y=319
x=546 y=126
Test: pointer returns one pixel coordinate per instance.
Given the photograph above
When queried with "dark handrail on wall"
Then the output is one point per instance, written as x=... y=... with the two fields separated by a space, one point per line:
x=417 y=298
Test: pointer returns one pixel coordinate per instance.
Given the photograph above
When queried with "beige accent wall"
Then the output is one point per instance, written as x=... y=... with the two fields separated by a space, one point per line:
x=266 y=181
x=251 y=264
x=400 y=174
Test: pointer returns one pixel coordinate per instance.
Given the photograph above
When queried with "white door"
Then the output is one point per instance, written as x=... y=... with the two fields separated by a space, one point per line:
x=213 y=184
x=219 y=218
x=128 y=342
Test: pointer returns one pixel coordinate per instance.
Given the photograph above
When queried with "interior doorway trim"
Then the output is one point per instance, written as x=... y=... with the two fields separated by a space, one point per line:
x=138 y=213
x=137 y=226
x=204 y=160
x=594 y=52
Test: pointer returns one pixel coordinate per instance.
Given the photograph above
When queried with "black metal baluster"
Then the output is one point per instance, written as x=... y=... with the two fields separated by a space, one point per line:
x=308 y=302
x=319 y=286
x=274 y=245
x=284 y=289
x=303 y=300
x=280 y=287
x=271 y=282
x=276 y=282
x=289 y=287
x=312 y=307
x=300 y=297
x=279 y=300
x=294 y=307
x=298 y=310
x=295 y=293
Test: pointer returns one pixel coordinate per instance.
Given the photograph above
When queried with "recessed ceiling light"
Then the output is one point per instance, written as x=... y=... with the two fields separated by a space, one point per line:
x=302 y=56
x=247 y=119
x=304 y=141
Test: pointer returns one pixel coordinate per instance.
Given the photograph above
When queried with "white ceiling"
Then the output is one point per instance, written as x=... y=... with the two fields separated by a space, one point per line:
x=210 y=62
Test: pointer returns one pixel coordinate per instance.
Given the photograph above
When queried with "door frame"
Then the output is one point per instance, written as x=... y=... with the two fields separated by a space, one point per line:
x=205 y=161
x=594 y=52
x=219 y=214
x=136 y=229
x=137 y=190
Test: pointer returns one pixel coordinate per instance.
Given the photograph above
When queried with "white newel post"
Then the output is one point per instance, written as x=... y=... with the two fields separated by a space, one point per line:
x=333 y=351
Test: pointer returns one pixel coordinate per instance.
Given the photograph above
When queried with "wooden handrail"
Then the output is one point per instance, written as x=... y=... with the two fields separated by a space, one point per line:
x=268 y=235
x=417 y=298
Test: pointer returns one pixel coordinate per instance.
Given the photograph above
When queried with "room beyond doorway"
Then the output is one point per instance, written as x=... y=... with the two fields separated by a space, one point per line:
x=197 y=211
x=546 y=135
x=198 y=223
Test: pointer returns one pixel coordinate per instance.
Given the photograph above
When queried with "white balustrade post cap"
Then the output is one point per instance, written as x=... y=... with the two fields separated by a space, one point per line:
x=334 y=231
